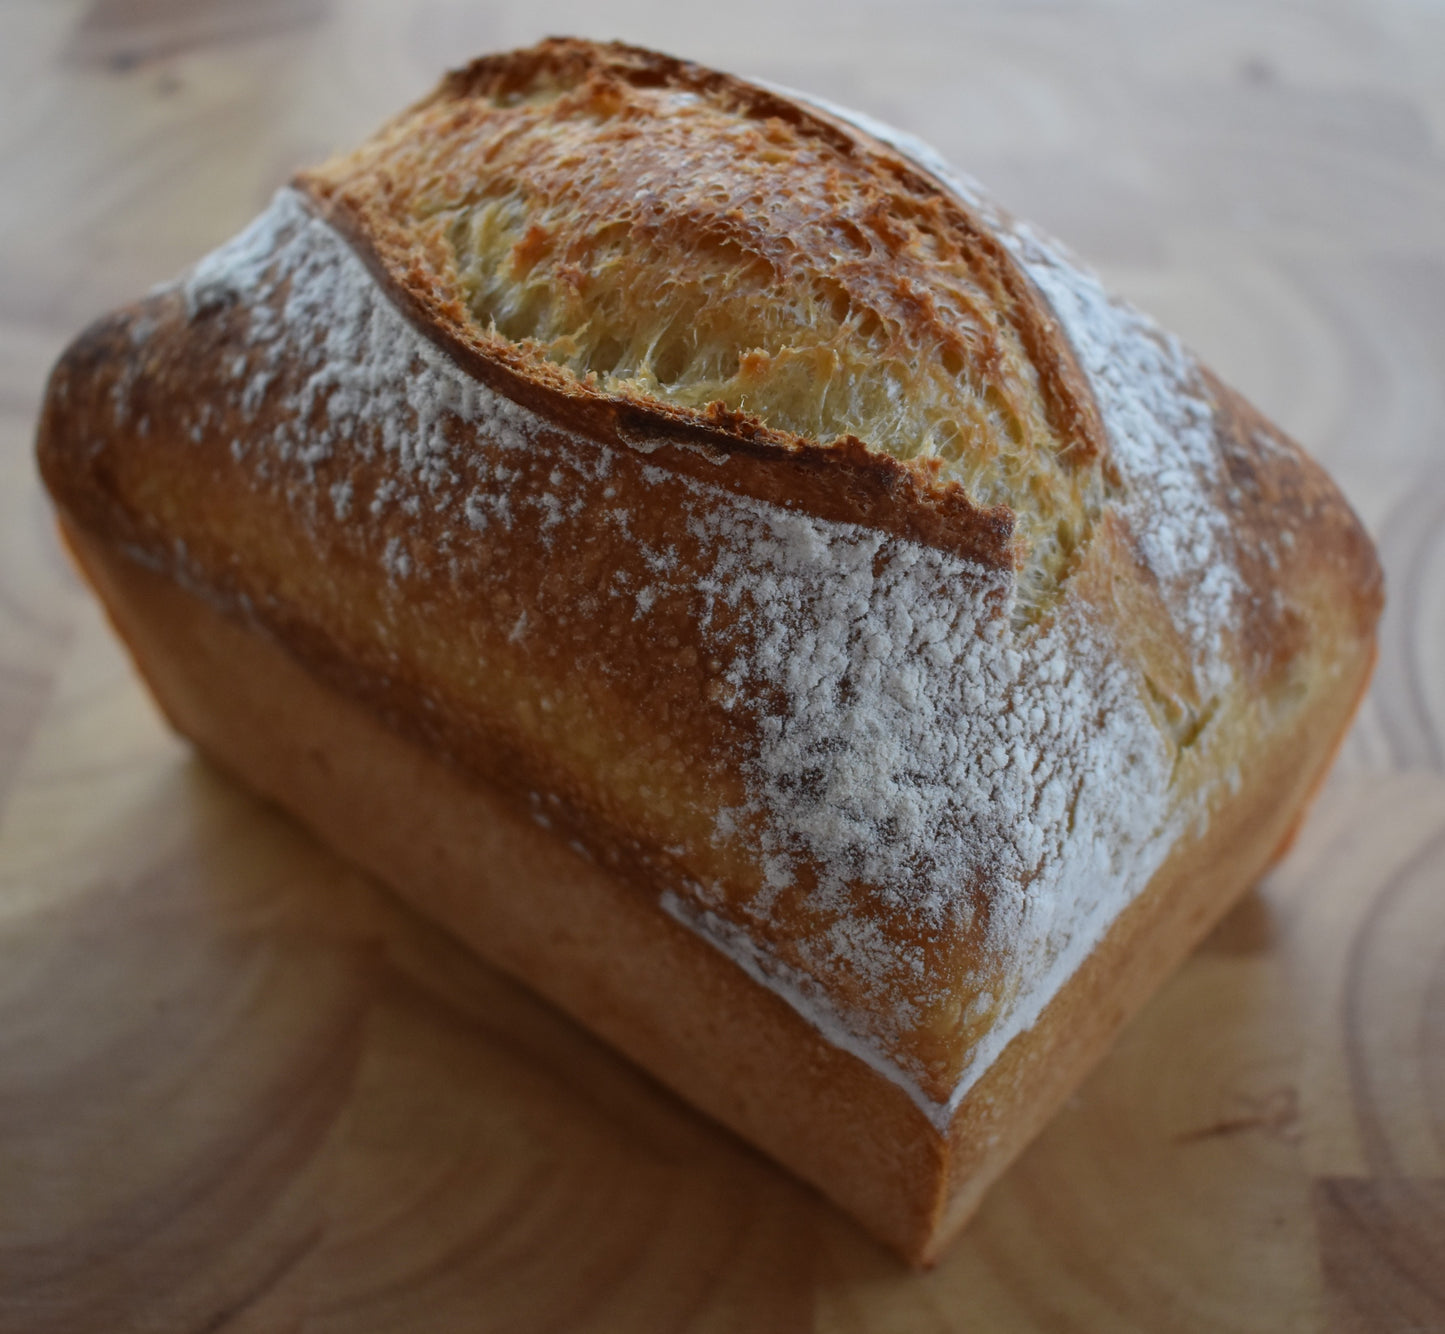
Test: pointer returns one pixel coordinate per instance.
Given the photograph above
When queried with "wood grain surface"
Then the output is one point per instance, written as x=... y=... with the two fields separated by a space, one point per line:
x=243 y=1089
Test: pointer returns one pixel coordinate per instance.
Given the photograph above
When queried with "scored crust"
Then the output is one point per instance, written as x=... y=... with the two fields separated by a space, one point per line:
x=620 y=230
x=816 y=702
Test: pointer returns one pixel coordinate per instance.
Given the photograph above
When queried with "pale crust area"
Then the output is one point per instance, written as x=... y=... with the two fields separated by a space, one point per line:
x=595 y=944
x=605 y=951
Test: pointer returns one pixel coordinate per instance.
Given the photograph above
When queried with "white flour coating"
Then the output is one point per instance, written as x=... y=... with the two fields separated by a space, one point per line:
x=911 y=739
x=364 y=365
x=940 y=750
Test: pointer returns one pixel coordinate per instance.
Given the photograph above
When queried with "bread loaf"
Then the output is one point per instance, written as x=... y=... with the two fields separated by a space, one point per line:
x=700 y=549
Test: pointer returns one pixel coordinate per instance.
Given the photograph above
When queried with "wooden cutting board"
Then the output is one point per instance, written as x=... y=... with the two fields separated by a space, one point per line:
x=242 y=1088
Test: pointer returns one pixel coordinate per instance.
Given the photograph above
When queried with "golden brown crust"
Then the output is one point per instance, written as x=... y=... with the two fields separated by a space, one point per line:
x=387 y=198
x=618 y=733
x=571 y=717
x=1069 y=403
x=583 y=937
x=616 y=617
x=843 y=480
x=580 y=935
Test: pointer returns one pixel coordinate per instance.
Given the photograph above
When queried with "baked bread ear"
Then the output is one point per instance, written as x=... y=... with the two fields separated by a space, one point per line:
x=706 y=554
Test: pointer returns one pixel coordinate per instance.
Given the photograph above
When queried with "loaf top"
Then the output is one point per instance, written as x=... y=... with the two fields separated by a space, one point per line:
x=623 y=228
x=755 y=504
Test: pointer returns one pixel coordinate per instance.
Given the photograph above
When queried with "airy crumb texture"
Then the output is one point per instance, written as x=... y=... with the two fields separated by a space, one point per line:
x=703 y=244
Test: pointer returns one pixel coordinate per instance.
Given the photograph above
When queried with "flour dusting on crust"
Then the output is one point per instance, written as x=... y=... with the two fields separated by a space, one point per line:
x=924 y=749
x=914 y=745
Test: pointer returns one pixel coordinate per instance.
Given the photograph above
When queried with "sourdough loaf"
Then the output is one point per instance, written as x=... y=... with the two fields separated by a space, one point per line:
x=701 y=549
